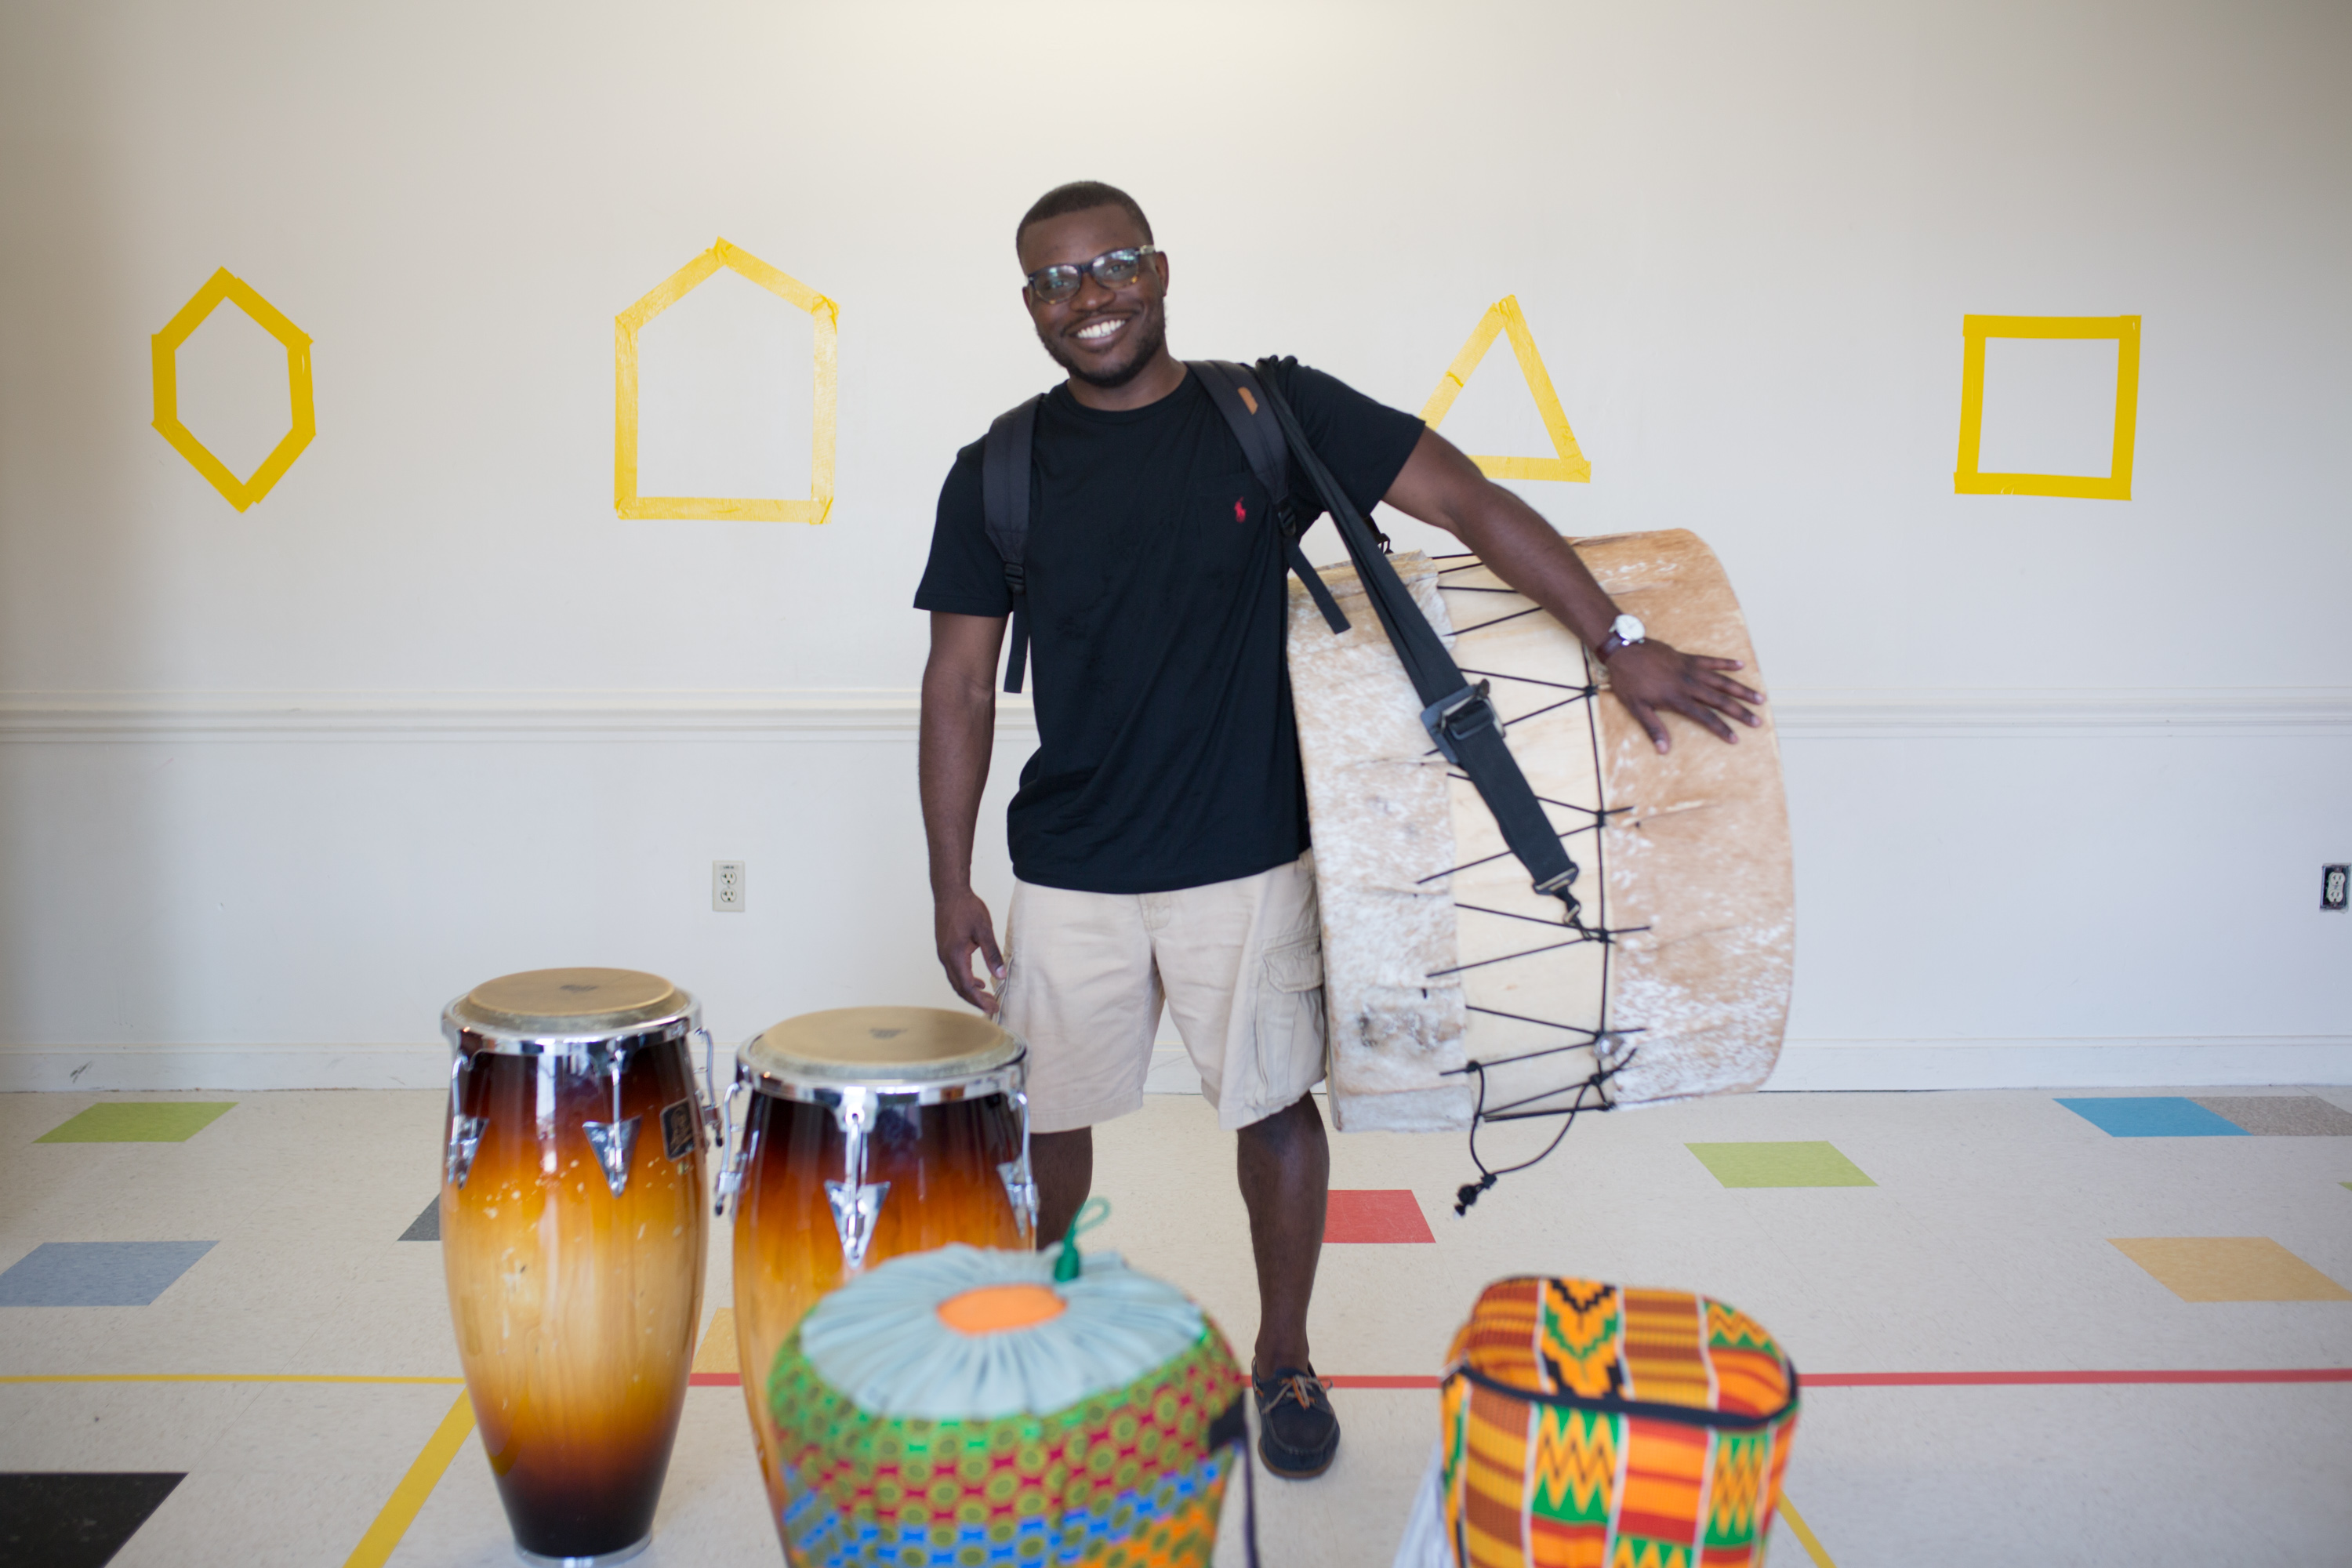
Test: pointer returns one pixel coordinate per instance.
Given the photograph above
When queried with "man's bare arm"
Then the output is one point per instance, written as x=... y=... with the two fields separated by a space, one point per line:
x=1442 y=487
x=958 y=735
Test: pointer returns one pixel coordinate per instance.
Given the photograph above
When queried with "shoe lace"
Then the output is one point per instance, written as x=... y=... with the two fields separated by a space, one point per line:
x=1302 y=1388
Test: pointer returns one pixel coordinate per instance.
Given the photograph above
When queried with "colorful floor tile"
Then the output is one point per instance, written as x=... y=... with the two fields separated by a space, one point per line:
x=2229 y=1268
x=2153 y=1116
x=425 y=1227
x=2281 y=1115
x=139 y=1122
x=67 y=1520
x=718 y=1353
x=97 y=1273
x=1779 y=1166
x=1371 y=1214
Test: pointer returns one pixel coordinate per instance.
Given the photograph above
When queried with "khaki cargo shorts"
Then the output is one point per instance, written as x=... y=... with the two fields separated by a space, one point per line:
x=1239 y=963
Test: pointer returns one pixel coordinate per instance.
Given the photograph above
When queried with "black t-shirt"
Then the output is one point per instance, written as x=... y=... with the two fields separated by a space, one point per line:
x=1168 y=756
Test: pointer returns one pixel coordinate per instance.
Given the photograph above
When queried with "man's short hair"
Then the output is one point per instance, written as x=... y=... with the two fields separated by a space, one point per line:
x=1078 y=196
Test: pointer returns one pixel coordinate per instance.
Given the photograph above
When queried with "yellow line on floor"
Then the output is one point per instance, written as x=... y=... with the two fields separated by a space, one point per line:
x=209 y=1377
x=1805 y=1536
x=400 y=1512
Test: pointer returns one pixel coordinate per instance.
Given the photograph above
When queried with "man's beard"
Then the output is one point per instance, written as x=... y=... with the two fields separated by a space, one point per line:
x=1153 y=330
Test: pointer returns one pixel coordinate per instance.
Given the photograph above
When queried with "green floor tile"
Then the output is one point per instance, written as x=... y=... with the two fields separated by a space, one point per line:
x=141 y=1121
x=1779 y=1166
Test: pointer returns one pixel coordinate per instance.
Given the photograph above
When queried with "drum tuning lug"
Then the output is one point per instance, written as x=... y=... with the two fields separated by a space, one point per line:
x=614 y=1142
x=465 y=1139
x=1022 y=1188
x=856 y=1207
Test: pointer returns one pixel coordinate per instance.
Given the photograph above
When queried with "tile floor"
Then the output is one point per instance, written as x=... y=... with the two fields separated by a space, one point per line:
x=224 y=1337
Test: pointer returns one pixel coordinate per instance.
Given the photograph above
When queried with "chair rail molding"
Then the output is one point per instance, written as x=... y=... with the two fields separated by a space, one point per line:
x=1801 y=713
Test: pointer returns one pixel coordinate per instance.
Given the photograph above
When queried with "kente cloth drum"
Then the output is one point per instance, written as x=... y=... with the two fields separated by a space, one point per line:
x=871 y=1132
x=1588 y=1425
x=961 y=1407
x=573 y=1233
x=1438 y=954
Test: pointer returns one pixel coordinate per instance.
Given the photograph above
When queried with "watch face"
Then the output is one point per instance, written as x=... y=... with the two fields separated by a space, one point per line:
x=1629 y=629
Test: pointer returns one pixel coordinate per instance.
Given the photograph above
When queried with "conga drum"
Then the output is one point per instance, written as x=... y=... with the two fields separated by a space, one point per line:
x=573 y=1233
x=1456 y=993
x=870 y=1131
x=966 y=1407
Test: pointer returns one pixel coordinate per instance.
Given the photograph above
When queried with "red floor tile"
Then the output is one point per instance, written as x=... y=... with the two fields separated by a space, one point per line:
x=1373 y=1214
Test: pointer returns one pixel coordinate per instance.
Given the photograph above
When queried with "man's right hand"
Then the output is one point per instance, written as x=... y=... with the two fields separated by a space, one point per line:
x=961 y=925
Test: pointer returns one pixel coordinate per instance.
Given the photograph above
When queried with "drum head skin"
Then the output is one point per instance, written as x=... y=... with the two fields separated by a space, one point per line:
x=540 y=1002
x=871 y=1044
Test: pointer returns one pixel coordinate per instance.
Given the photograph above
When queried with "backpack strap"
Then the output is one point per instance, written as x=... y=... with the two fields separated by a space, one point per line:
x=1241 y=399
x=1004 y=508
x=1460 y=717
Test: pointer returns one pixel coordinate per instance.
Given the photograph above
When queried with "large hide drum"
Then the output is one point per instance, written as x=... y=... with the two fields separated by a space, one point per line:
x=1438 y=953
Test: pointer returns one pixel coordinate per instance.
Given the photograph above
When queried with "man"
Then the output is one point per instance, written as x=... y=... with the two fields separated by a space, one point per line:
x=1159 y=836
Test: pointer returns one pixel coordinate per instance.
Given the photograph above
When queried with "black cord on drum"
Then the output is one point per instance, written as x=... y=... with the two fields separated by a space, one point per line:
x=1470 y=1192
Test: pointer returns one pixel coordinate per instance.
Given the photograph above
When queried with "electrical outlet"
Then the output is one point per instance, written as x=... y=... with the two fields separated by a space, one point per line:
x=727 y=887
x=2331 y=887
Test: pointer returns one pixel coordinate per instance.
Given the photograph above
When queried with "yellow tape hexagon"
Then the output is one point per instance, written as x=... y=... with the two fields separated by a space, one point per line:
x=824 y=314
x=2115 y=483
x=1503 y=317
x=224 y=285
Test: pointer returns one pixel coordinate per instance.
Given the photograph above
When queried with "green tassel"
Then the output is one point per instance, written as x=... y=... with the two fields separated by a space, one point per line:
x=1066 y=1263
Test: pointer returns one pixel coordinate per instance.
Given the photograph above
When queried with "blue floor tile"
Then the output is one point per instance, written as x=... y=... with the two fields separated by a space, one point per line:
x=2153 y=1116
x=97 y=1273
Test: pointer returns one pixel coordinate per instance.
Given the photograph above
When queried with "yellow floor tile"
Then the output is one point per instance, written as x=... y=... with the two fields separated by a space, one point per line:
x=2229 y=1268
x=718 y=1350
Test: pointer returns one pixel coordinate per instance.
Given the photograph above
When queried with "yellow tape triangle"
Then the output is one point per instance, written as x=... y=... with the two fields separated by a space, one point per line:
x=1503 y=318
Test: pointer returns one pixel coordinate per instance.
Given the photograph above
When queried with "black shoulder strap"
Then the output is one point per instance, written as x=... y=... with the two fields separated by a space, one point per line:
x=1239 y=396
x=1459 y=716
x=1004 y=508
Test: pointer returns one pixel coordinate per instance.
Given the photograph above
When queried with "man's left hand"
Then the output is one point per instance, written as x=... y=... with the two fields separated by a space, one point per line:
x=1648 y=677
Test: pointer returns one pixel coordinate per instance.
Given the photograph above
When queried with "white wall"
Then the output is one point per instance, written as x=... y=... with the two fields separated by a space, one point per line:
x=274 y=785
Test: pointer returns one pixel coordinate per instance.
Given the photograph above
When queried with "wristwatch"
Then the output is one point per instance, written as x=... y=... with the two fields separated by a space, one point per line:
x=1624 y=632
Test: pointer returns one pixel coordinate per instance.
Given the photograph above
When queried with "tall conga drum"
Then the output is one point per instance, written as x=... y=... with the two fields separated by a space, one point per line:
x=871 y=1132
x=574 y=1237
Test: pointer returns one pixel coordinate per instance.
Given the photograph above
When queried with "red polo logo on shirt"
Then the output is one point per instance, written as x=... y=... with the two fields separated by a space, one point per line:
x=1241 y=512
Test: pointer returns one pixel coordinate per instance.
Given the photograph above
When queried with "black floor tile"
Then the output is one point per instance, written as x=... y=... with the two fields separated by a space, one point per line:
x=67 y=1521
x=425 y=1227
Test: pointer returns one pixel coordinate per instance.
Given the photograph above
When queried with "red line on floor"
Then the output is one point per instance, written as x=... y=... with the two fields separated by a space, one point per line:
x=1988 y=1379
x=1867 y=1379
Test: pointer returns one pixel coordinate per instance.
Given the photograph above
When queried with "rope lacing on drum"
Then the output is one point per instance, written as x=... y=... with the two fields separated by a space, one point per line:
x=1592 y=1093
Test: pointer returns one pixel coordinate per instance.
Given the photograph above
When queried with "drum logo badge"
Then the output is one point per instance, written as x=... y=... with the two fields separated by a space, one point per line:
x=677 y=1129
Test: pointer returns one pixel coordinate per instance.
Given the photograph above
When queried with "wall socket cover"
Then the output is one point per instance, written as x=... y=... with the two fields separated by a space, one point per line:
x=727 y=889
x=2331 y=879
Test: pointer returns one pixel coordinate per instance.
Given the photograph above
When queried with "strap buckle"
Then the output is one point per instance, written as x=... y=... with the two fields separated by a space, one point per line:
x=1468 y=712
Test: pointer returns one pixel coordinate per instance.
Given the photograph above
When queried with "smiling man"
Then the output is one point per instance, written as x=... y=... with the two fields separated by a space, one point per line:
x=1159 y=836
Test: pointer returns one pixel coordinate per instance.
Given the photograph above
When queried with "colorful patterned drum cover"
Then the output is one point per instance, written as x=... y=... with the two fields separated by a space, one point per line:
x=961 y=1407
x=1610 y=1426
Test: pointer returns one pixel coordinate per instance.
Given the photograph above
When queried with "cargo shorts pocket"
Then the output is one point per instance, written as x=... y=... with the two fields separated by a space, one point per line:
x=1290 y=1032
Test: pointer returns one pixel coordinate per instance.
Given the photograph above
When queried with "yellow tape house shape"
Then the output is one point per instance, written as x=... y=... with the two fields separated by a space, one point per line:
x=224 y=285
x=823 y=314
x=1503 y=317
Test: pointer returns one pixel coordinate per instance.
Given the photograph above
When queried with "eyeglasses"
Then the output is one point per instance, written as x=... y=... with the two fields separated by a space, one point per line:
x=1112 y=269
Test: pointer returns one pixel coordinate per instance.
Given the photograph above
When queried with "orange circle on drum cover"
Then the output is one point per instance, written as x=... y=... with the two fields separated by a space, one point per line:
x=993 y=1309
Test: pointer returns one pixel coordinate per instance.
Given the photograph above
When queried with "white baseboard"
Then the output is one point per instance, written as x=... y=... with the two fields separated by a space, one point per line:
x=164 y=1069
x=2182 y=1062
x=1816 y=1065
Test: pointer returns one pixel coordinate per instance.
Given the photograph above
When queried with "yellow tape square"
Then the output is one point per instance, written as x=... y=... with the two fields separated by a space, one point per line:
x=2115 y=483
